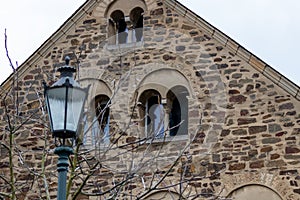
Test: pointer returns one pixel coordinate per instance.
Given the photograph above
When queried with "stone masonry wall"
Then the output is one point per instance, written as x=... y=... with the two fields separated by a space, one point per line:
x=243 y=128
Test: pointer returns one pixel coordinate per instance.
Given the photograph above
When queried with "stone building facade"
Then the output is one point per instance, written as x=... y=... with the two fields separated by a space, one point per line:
x=173 y=103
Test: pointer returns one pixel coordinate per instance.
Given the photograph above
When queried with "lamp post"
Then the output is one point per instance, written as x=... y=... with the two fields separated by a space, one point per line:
x=64 y=101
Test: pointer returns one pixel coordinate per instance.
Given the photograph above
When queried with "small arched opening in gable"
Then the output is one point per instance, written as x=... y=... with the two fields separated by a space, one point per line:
x=137 y=19
x=125 y=21
x=115 y=19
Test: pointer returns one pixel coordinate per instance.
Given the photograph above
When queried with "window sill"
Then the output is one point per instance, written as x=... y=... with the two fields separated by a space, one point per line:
x=176 y=138
x=89 y=147
x=125 y=45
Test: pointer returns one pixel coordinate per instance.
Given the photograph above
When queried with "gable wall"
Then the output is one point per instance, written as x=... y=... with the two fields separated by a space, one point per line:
x=249 y=126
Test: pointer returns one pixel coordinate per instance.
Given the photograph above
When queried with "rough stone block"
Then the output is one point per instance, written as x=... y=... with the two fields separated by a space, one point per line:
x=257 y=129
x=286 y=106
x=257 y=164
x=292 y=150
x=276 y=163
x=274 y=128
x=270 y=140
x=237 y=99
x=239 y=132
x=244 y=121
x=238 y=166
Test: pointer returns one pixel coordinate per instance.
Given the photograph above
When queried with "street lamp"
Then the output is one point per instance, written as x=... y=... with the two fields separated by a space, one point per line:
x=65 y=101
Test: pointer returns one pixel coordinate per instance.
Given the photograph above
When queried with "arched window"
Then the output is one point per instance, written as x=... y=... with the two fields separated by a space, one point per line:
x=117 y=28
x=251 y=192
x=136 y=17
x=178 y=110
x=164 y=117
x=153 y=113
x=172 y=96
x=125 y=21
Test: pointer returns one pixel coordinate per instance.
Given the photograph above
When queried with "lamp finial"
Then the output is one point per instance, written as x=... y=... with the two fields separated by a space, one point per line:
x=67 y=59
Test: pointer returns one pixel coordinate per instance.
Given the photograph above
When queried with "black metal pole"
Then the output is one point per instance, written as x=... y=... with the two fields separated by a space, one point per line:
x=63 y=153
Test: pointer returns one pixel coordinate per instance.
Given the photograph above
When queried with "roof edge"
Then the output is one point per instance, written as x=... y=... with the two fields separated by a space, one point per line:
x=42 y=50
x=258 y=64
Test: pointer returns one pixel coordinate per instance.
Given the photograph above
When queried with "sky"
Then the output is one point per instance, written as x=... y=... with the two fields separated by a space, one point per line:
x=269 y=29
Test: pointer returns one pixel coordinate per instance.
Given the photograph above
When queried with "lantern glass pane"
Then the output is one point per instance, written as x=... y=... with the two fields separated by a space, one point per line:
x=56 y=107
x=76 y=99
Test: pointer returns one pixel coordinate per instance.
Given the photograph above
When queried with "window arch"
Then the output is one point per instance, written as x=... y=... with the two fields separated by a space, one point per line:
x=117 y=27
x=253 y=192
x=125 y=21
x=172 y=97
x=136 y=17
x=164 y=116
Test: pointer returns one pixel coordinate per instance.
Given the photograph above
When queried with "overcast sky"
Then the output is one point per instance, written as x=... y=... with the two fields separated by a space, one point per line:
x=270 y=29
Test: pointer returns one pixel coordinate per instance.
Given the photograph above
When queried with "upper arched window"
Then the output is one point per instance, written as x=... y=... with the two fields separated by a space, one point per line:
x=125 y=21
x=117 y=29
x=136 y=17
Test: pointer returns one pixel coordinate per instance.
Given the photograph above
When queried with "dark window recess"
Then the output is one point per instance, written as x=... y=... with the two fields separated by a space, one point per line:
x=178 y=115
x=103 y=118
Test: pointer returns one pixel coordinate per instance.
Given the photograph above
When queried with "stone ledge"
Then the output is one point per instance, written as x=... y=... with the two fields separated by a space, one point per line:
x=125 y=46
x=176 y=138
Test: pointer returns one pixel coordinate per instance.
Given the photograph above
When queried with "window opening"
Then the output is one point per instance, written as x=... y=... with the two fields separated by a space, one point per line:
x=100 y=128
x=126 y=29
x=178 y=115
x=155 y=117
x=117 y=28
x=122 y=31
x=136 y=16
x=153 y=113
